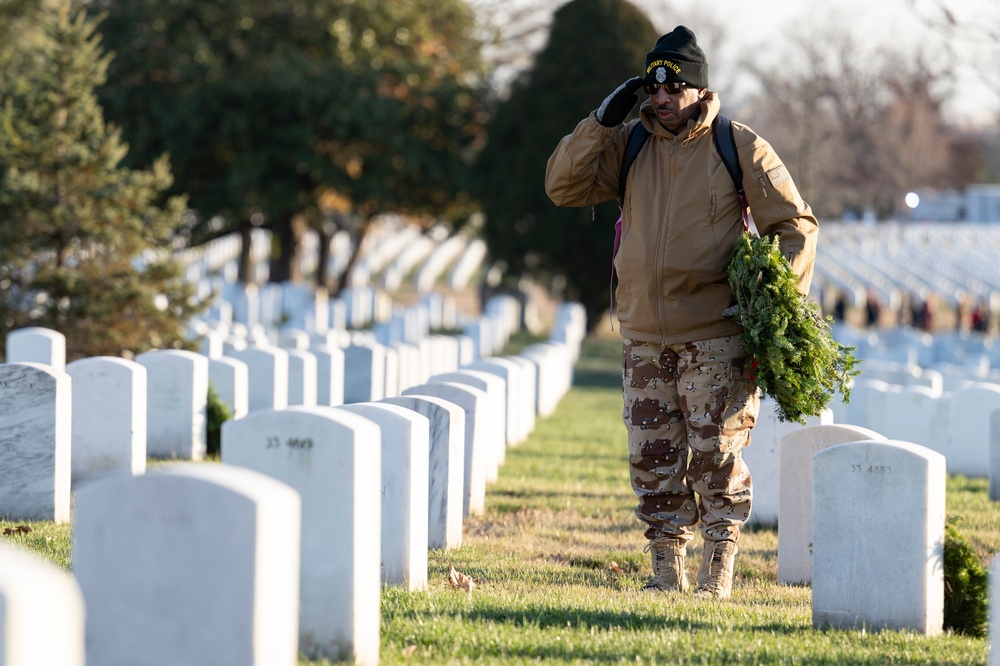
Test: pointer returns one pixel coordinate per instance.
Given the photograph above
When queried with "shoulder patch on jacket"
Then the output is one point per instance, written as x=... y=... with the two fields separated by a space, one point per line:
x=778 y=174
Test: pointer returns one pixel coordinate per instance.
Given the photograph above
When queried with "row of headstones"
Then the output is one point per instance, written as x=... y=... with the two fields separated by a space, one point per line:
x=389 y=238
x=351 y=366
x=958 y=351
x=241 y=322
x=324 y=369
x=203 y=536
x=294 y=304
x=958 y=423
x=154 y=546
x=308 y=307
x=871 y=559
x=953 y=260
x=895 y=420
x=114 y=412
x=156 y=404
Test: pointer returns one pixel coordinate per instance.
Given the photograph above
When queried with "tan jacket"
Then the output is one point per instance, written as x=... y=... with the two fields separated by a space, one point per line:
x=681 y=218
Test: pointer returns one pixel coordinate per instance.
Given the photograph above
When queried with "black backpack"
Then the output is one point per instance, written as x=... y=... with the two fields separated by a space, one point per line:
x=722 y=136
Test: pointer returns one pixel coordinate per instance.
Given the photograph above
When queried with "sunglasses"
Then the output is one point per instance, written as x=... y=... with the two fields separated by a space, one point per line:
x=671 y=88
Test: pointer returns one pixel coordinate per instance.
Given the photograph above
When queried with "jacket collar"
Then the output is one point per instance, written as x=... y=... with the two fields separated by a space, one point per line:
x=708 y=110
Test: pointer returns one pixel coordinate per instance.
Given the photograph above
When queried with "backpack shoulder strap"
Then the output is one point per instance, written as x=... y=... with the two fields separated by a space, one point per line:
x=637 y=137
x=725 y=143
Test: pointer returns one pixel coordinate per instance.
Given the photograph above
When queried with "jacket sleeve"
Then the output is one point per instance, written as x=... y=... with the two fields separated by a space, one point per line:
x=583 y=170
x=776 y=206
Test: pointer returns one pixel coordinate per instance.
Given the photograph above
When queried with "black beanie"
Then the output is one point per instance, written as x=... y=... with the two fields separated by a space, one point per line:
x=677 y=58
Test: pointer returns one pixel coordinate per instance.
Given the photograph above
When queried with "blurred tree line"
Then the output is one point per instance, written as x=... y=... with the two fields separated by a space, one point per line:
x=199 y=119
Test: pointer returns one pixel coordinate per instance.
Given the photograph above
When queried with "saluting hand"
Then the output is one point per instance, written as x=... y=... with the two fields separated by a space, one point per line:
x=618 y=104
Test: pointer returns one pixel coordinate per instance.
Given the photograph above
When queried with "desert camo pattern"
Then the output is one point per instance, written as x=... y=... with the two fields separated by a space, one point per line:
x=688 y=409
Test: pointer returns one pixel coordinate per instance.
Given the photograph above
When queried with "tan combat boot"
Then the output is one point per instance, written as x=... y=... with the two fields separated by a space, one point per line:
x=668 y=565
x=715 y=576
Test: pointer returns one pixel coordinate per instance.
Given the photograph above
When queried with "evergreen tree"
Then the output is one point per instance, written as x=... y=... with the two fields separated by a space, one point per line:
x=85 y=247
x=593 y=47
x=271 y=109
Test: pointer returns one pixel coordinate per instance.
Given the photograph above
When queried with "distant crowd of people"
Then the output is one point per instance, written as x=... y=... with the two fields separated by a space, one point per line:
x=923 y=313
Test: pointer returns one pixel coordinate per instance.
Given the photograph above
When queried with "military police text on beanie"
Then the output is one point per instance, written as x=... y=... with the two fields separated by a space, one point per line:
x=677 y=58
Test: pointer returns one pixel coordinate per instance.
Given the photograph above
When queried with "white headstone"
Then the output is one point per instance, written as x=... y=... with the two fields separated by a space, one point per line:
x=329 y=374
x=763 y=458
x=878 y=559
x=914 y=414
x=231 y=380
x=409 y=365
x=189 y=564
x=554 y=374
x=36 y=440
x=41 y=612
x=466 y=350
x=246 y=303
x=478 y=424
x=35 y=344
x=526 y=393
x=570 y=326
x=426 y=347
x=233 y=343
x=446 y=470
x=405 y=469
x=447 y=352
x=338 y=314
x=176 y=403
x=364 y=373
x=391 y=382
x=333 y=459
x=211 y=343
x=561 y=366
x=969 y=411
x=109 y=417
x=797 y=449
x=480 y=331
x=496 y=395
x=267 y=368
x=302 y=375
x=856 y=411
x=293 y=338
x=515 y=402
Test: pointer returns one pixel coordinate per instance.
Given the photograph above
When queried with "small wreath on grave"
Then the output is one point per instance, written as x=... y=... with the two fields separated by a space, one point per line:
x=794 y=358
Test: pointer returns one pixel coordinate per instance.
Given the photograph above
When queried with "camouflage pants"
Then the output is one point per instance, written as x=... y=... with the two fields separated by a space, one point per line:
x=689 y=409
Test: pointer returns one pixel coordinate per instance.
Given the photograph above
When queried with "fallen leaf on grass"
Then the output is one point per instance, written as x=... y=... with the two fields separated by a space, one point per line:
x=15 y=531
x=614 y=567
x=460 y=580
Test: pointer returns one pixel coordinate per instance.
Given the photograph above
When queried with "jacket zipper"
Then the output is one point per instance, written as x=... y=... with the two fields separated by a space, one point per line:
x=715 y=235
x=661 y=245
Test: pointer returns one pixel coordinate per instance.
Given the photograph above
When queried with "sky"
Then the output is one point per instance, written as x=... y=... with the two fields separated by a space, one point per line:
x=902 y=24
x=764 y=28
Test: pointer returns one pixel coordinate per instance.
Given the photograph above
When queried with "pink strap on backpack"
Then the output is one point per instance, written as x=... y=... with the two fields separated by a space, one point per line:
x=614 y=253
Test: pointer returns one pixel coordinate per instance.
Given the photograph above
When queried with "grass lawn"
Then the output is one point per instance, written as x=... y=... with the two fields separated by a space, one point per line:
x=558 y=562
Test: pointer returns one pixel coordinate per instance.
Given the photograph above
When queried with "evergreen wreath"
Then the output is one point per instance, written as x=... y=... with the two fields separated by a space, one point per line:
x=794 y=358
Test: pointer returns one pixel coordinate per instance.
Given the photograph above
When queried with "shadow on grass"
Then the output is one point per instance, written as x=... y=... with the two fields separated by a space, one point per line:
x=560 y=494
x=552 y=616
x=584 y=377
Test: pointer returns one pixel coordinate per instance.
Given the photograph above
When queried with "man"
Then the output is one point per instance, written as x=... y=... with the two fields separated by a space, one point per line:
x=689 y=402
